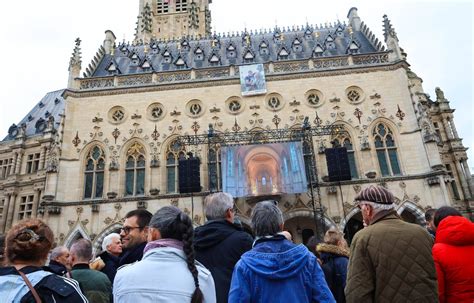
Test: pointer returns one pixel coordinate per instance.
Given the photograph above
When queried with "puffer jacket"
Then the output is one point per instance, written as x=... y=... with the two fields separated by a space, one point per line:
x=391 y=261
x=453 y=252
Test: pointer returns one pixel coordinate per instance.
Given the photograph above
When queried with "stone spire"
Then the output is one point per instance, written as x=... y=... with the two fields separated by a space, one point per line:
x=391 y=40
x=193 y=21
x=75 y=64
x=147 y=21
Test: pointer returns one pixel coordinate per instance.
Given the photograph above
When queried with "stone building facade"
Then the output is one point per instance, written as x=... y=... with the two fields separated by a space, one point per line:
x=110 y=144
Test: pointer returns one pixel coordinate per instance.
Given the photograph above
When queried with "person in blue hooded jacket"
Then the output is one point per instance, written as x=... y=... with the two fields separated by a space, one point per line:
x=276 y=270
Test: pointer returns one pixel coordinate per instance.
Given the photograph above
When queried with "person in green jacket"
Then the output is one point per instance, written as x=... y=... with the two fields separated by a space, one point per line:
x=390 y=260
x=94 y=284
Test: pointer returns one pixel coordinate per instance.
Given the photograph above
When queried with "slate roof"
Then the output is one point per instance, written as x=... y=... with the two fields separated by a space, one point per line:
x=301 y=43
x=36 y=120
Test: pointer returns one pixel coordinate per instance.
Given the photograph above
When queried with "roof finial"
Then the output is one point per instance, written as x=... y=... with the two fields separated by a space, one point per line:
x=388 y=30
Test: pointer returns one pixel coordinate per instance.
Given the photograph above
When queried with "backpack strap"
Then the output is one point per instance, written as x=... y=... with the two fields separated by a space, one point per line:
x=32 y=289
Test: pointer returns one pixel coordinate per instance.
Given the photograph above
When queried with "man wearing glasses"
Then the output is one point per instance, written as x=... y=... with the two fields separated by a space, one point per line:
x=133 y=235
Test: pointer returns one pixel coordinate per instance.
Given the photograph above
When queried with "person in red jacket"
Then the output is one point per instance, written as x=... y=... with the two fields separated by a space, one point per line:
x=452 y=253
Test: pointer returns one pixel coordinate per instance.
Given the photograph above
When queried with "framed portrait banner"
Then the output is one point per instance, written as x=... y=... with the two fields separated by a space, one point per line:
x=252 y=79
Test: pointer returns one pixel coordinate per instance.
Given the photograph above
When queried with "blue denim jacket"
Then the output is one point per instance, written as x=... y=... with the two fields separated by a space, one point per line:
x=276 y=270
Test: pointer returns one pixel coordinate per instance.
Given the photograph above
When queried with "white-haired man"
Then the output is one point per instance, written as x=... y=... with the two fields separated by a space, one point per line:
x=390 y=260
x=219 y=243
x=59 y=260
x=112 y=248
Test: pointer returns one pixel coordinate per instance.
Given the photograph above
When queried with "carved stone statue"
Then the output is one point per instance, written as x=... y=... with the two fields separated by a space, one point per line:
x=439 y=94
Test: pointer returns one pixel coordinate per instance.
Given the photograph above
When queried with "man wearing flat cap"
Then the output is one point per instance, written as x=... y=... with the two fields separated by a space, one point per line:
x=390 y=259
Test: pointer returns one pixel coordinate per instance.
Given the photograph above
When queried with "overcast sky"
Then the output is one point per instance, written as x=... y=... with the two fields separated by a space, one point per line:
x=37 y=39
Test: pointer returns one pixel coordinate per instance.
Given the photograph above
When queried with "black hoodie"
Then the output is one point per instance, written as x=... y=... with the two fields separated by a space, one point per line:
x=219 y=245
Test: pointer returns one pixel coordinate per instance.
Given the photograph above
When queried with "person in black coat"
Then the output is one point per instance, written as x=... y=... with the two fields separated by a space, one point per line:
x=108 y=260
x=219 y=243
x=334 y=258
x=59 y=261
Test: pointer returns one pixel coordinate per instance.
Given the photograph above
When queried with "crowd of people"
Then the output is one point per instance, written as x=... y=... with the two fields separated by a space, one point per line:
x=163 y=258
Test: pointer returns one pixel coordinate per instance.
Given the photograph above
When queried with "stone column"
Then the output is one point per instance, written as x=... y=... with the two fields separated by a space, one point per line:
x=11 y=210
x=467 y=175
x=462 y=177
x=18 y=162
x=453 y=127
x=3 y=219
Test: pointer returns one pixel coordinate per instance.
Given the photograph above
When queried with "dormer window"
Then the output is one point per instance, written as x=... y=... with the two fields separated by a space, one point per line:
x=40 y=125
x=185 y=45
x=135 y=59
x=30 y=118
x=318 y=51
x=231 y=51
x=297 y=47
x=214 y=59
x=263 y=48
x=124 y=50
x=283 y=54
x=330 y=42
x=180 y=63
x=248 y=57
x=166 y=57
x=308 y=34
x=154 y=48
x=57 y=100
x=277 y=36
x=47 y=114
x=353 y=48
x=199 y=54
x=112 y=69
x=146 y=65
x=41 y=104
x=339 y=32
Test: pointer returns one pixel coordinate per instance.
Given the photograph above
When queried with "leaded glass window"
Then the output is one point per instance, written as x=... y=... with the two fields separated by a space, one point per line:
x=386 y=150
x=342 y=139
x=94 y=174
x=215 y=176
x=174 y=153
x=135 y=171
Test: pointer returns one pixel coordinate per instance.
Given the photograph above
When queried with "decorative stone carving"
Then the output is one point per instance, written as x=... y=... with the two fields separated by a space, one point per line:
x=331 y=190
x=95 y=208
x=85 y=222
x=174 y=202
x=371 y=174
x=357 y=188
x=54 y=210
x=142 y=205
x=154 y=191
x=111 y=195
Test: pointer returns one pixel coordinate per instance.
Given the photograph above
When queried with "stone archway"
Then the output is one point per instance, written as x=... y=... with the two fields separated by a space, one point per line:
x=300 y=223
x=77 y=233
x=351 y=224
x=411 y=213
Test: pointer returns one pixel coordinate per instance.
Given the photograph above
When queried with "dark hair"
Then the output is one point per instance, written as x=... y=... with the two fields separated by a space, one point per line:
x=444 y=212
x=311 y=245
x=429 y=214
x=174 y=224
x=28 y=240
x=82 y=249
x=143 y=216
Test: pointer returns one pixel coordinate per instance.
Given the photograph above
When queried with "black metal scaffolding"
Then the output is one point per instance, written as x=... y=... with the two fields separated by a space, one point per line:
x=303 y=134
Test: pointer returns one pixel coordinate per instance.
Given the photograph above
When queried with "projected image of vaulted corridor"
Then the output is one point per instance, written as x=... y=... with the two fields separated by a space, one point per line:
x=264 y=169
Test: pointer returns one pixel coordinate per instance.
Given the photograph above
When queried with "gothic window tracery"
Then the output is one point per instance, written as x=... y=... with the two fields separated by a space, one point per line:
x=214 y=163
x=94 y=174
x=135 y=170
x=174 y=153
x=342 y=139
x=386 y=150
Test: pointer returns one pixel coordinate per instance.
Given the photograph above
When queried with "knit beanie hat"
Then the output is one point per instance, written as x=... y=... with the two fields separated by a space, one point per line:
x=375 y=194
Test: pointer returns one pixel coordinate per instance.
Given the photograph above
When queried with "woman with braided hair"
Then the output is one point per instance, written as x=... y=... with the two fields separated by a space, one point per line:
x=168 y=271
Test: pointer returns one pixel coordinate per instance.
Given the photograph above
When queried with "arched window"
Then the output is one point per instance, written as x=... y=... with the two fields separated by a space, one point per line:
x=342 y=139
x=215 y=173
x=135 y=170
x=174 y=153
x=386 y=150
x=94 y=174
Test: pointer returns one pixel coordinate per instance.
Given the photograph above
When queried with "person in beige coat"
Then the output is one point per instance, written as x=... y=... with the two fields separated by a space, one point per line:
x=390 y=260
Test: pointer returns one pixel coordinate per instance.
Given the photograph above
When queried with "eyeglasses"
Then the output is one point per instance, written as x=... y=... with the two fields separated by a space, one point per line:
x=127 y=229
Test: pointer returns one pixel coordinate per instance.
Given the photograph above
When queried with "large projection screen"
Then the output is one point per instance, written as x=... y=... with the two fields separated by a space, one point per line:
x=263 y=169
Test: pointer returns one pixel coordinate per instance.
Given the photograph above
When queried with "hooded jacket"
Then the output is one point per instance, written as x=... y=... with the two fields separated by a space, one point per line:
x=453 y=252
x=49 y=286
x=391 y=261
x=276 y=270
x=161 y=276
x=335 y=260
x=132 y=255
x=219 y=245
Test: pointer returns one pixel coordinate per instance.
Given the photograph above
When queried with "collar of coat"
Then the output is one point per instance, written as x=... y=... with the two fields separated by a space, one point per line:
x=384 y=215
x=333 y=249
